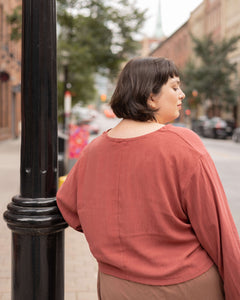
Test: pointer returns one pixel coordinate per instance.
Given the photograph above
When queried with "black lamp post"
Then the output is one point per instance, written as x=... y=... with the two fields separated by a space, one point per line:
x=36 y=224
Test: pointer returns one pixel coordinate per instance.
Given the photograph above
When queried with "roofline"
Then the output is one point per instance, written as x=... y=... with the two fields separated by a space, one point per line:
x=167 y=39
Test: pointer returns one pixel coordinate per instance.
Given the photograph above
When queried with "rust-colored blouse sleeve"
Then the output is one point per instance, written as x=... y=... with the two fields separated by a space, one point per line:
x=67 y=195
x=209 y=213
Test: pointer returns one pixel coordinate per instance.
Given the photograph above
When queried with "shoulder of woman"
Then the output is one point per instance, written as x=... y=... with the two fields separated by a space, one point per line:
x=189 y=138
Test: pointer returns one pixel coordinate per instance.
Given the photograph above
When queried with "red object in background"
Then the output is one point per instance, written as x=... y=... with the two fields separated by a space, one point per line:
x=109 y=113
x=78 y=139
x=188 y=112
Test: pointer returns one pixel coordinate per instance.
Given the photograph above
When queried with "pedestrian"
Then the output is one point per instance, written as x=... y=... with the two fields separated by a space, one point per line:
x=149 y=200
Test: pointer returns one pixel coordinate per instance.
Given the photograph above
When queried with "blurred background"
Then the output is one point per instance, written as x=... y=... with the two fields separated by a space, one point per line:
x=96 y=38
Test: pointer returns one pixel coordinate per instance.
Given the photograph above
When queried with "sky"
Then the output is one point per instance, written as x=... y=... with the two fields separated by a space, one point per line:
x=174 y=14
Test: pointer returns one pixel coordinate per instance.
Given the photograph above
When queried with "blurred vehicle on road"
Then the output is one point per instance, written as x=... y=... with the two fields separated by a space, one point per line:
x=197 y=124
x=231 y=125
x=215 y=128
x=179 y=124
x=84 y=117
x=81 y=114
x=236 y=135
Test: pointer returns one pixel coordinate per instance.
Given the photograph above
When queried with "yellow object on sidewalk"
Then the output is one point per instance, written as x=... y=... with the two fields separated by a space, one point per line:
x=61 y=180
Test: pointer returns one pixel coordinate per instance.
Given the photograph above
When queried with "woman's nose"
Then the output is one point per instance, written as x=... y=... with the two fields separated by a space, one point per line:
x=181 y=95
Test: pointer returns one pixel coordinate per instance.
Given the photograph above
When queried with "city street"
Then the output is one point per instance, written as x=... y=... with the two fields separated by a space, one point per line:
x=80 y=267
x=226 y=155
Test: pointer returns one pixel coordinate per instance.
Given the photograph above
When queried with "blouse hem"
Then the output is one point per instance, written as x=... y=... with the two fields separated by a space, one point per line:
x=143 y=280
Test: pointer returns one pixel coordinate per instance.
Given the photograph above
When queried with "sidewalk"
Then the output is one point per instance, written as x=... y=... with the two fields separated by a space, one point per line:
x=80 y=266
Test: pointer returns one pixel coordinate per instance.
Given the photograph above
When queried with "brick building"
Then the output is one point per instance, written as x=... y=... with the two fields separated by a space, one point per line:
x=212 y=17
x=10 y=75
x=221 y=18
x=205 y=19
x=176 y=47
x=148 y=44
x=231 y=27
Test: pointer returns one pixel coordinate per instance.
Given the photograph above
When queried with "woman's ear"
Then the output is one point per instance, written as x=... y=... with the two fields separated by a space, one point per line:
x=151 y=102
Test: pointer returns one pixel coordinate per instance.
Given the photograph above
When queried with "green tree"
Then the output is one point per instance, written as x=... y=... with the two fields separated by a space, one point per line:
x=214 y=76
x=95 y=37
x=15 y=20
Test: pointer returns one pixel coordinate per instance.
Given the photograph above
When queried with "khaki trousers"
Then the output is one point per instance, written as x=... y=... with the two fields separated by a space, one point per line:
x=207 y=286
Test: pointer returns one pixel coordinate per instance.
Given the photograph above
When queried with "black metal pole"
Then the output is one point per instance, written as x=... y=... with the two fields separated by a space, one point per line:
x=36 y=223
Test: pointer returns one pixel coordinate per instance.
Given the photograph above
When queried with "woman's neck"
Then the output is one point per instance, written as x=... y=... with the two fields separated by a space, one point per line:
x=130 y=128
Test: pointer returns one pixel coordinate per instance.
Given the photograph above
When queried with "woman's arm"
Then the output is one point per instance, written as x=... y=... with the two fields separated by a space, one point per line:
x=206 y=205
x=67 y=197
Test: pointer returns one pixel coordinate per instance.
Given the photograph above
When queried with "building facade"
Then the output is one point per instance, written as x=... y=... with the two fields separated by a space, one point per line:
x=231 y=27
x=205 y=19
x=212 y=18
x=10 y=75
x=176 y=47
x=148 y=44
x=221 y=19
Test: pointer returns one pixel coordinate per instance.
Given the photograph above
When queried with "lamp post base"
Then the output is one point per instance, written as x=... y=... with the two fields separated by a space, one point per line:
x=37 y=249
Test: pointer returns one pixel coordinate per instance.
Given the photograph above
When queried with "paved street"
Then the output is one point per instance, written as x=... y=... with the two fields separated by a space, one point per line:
x=226 y=155
x=80 y=267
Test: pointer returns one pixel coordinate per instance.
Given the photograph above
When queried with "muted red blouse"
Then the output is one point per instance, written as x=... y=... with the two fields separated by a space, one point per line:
x=153 y=209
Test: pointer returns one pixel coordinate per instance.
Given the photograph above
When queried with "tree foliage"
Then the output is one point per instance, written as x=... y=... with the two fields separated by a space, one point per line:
x=15 y=20
x=214 y=76
x=93 y=36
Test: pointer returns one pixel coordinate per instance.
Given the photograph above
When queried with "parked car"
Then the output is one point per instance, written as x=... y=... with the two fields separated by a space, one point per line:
x=179 y=124
x=85 y=117
x=215 y=128
x=231 y=125
x=197 y=124
x=236 y=135
x=82 y=115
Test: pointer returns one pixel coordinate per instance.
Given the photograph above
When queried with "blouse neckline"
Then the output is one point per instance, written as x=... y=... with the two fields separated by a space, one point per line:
x=117 y=139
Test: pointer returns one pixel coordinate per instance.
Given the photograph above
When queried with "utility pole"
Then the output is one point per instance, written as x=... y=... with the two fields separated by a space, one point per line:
x=36 y=223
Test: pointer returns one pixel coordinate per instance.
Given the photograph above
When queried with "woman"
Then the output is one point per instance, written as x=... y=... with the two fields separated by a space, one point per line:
x=149 y=200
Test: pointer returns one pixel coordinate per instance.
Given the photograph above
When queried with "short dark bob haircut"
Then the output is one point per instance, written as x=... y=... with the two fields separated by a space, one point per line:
x=139 y=78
